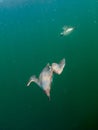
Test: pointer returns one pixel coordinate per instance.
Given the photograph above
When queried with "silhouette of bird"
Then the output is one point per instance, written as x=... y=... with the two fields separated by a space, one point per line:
x=46 y=76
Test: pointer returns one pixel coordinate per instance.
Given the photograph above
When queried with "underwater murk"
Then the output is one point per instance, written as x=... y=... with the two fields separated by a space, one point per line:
x=48 y=65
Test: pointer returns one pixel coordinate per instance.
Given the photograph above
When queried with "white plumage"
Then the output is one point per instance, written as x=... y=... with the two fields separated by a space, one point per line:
x=45 y=77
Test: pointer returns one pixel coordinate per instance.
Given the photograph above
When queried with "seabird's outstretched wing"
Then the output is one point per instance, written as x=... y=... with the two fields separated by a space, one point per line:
x=58 y=68
x=32 y=79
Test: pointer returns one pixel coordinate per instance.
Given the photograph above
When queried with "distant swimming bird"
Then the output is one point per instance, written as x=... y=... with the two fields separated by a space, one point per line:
x=46 y=76
x=66 y=30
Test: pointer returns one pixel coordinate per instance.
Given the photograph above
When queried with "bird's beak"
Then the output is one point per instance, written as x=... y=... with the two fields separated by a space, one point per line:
x=47 y=91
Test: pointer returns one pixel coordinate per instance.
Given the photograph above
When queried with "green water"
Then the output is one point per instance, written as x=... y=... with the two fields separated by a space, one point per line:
x=29 y=39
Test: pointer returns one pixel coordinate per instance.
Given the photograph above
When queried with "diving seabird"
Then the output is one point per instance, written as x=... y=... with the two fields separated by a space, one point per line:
x=66 y=30
x=46 y=76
